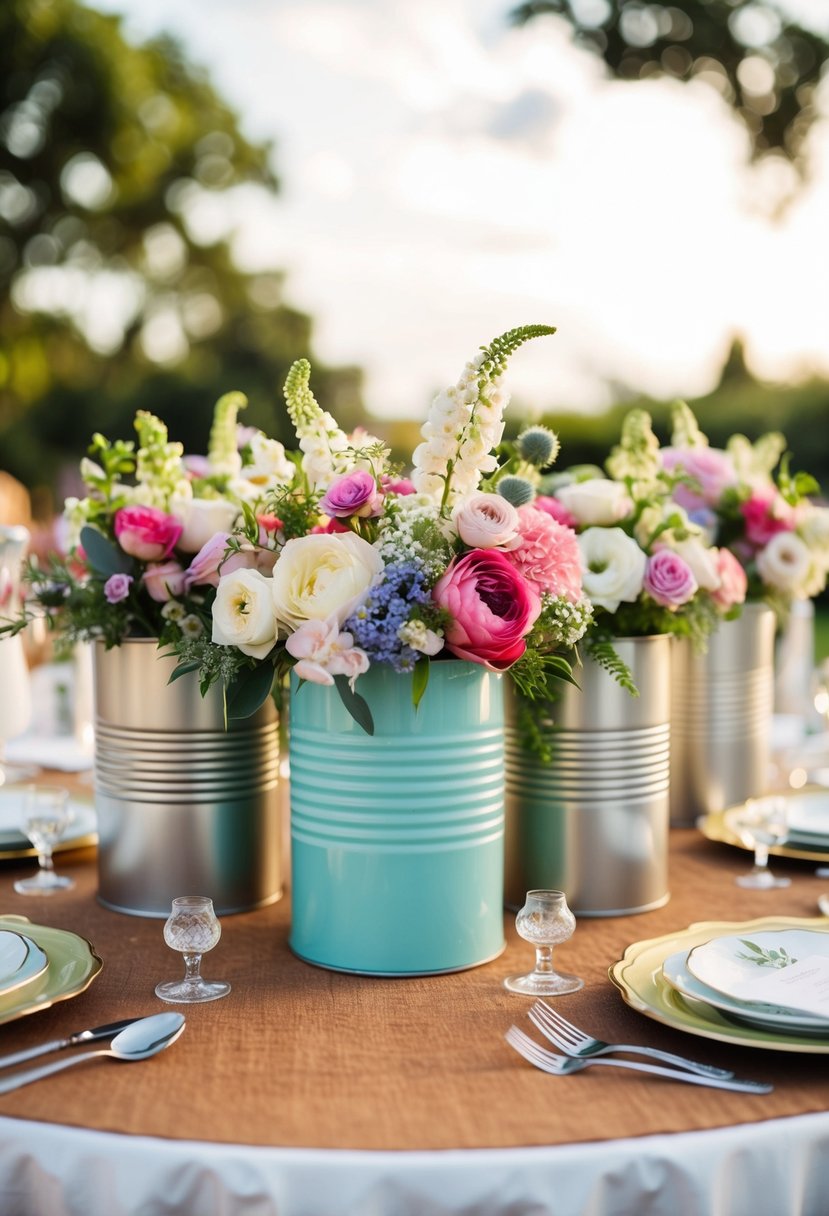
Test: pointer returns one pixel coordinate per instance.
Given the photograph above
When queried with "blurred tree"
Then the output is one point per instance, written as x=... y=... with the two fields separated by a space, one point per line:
x=118 y=165
x=766 y=66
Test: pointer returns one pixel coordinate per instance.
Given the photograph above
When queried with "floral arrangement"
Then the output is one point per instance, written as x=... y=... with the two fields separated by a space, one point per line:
x=648 y=565
x=254 y=561
x=749 y=503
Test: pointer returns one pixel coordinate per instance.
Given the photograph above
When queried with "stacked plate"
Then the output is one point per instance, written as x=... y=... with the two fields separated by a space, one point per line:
x=40 y=965
x=807 y=821
x=761 y=983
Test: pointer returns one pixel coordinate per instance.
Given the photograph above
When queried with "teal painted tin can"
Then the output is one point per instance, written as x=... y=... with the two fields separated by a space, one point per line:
x=397 y=839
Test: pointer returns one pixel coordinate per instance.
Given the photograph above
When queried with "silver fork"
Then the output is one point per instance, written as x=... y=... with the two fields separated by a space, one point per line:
x=560 y=1066
x=573 y=1042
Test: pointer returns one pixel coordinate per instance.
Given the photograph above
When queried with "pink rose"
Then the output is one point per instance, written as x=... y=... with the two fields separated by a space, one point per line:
x=487 y=521
x=146 y=532
x=354 y=494
x=117 y=587
x=765 y=515
x=552 y=506
x=668 y=579
x=547 y=555
x=733 y=581
x=492 y=608
x=164 y=580
x=711 y=469
x=210 y=563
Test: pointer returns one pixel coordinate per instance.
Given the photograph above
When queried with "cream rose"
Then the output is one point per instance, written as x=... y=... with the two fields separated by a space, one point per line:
x=322 y=576
x=597 y=501
x=787 y=565
x=243 y=614
x=487 y=521
x=613 y=567
x=202 y=518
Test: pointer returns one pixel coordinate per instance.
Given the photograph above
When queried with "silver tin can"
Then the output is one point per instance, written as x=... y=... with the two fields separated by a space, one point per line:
x=594 y=822
x=722 y=704
x=185 y=806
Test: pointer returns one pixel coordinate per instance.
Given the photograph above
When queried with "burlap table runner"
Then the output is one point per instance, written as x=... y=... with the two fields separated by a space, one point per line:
x=299 y=1056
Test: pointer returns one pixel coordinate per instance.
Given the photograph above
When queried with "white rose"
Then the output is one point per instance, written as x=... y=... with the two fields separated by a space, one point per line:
x=813 y=528
x=202 y=519
x=243 y=614
x=786 y=564
x=596 y=501
x=702 y=561
x=487 y=521
x=322 y=576
x=613 y=567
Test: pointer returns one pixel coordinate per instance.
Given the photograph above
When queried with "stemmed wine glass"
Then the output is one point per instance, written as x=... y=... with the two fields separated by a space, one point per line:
x=192 y=929
x=46 y=816
x=545 y=920
x=760 y=824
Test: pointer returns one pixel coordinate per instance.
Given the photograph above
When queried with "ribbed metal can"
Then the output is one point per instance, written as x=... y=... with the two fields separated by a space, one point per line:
x=185 y=806
x=722 y=704
x=594 y=821
x=397 y=839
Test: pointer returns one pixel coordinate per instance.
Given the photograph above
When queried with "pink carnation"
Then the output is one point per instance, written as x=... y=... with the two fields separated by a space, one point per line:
x=733 y=581
x=146 y=532
x=555 y=508
x=547 y=555
x=765 y=515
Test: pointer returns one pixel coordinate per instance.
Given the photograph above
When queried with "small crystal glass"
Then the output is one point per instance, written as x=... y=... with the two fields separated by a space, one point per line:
x=545 y=921
x=46 y=816
x=192 y=929
x=760 y=824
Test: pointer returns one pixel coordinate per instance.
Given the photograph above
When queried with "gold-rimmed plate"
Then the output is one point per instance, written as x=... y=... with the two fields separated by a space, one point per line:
x=72 y=966
x=715 y=826
x=638 y=976
x=82 y=831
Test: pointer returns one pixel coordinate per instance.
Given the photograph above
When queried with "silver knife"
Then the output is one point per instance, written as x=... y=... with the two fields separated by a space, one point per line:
x=80 y=1036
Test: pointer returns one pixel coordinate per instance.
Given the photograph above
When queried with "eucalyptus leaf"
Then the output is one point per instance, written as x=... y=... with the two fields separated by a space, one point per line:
x=183 y=669
x=104 y=557
x=355 y=704
x=249 y=690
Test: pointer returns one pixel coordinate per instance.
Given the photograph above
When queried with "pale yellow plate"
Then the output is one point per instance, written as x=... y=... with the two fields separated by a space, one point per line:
x=715 y=827
x=638 y=976
x=81 y=833
x=73 y=965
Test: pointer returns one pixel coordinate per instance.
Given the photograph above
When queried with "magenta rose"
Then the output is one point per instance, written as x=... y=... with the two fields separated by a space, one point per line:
x=210 y=564
x=733 y=581
x=711 y=469
x=668 y=579
x=492 y=608
x=164 y=580
x=117 y=587
x=547 y=554
x=146 y=532
x=354 y=494
x=765 y=515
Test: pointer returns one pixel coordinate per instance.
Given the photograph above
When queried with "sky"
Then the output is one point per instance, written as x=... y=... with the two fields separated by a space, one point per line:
x=446 y=177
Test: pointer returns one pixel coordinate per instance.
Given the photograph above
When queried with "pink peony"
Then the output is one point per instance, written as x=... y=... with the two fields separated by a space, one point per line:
x=548 y=554
x=117 y=587
x=711 y=469
x=668 y=579
x=492 y=608
x=210 y=563
x=765 y=515
x=733 y=581
x=164 y=580
x=552 y=506
x=146 y=532
x=353 y=494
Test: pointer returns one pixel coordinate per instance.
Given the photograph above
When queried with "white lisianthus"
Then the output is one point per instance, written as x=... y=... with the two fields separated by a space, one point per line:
x=202 y=519
x=613 y=567
x=595 y=502
x=786 y=564
x=702 y=561
x=487 y=521
x=243 y=614
x=322 y=577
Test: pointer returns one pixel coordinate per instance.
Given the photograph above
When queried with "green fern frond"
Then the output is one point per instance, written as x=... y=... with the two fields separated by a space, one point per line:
x=602 y=651
x=499 y=350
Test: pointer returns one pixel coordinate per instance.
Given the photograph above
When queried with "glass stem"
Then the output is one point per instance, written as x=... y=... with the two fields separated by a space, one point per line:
x=544 y=959
x=761 y=856
x=44 y=860
x=192 y=962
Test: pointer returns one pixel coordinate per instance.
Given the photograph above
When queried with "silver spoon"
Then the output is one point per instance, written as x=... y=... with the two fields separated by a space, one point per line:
x=139 y=1041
